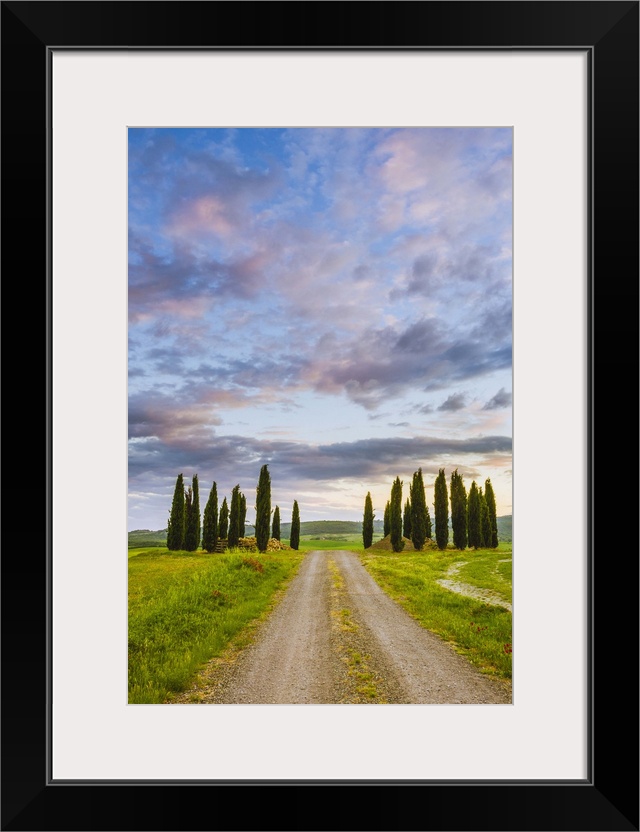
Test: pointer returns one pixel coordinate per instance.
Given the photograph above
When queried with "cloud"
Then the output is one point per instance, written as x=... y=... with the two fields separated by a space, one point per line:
x=277 y=269
x=161 y=417
x=364 y=458
x=456 y=401
x=185 y=283
x=500 y=400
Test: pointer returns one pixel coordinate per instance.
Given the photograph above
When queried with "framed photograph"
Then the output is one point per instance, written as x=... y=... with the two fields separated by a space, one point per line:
x=549 y=92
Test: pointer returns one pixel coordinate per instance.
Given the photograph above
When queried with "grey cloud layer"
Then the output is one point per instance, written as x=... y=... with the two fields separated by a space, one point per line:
x=242 y=457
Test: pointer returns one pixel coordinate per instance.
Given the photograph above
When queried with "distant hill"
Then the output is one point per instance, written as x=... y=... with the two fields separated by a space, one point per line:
x=145 y=537
x=504 y=528
x=329 y=527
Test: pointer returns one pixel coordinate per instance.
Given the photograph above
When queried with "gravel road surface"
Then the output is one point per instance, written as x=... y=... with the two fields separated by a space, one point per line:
x=335 y=638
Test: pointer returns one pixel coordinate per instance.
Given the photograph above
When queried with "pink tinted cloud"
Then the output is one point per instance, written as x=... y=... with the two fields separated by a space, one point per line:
x=205 y=216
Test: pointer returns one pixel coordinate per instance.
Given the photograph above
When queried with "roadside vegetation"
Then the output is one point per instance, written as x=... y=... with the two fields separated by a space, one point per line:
x=362 y=683
x=480 y=631
x=186 y=607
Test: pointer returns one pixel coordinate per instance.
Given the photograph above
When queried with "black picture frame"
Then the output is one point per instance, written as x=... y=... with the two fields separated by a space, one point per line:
x=608 y=798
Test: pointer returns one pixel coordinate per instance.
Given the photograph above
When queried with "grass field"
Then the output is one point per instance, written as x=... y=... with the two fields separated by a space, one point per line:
x=185 y=608
x=480 y=631
x=346 y=540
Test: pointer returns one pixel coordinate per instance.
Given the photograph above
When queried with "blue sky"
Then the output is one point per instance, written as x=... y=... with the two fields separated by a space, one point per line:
x=335 y=303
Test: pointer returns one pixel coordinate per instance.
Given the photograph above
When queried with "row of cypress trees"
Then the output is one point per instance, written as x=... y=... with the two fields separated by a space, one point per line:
x=473 y=516
x=183 y=530
x=414 y=522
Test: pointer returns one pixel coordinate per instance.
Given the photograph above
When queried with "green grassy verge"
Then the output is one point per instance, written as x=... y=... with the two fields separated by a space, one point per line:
x=138 y=550
x=480 y=631
x=185 y=607
x=488 y=572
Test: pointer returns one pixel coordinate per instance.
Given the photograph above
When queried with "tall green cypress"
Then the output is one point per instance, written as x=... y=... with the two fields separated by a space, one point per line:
x=485 y=521
x=275 y=526
x=458 y=510
x=395 y=516
x=441 y=510
x=192 y=517
x=490 y=497
x=234 y=518
x=196 y=508
x=243 y=516
x=406 y=520
x=223 y=527
x=263 y=509
x=474 y=517
x=294 y=537
x=210 y=521
x=175 y=528
x=419 y=512
x=367 y=522
x=188 y=500
x=387 y=519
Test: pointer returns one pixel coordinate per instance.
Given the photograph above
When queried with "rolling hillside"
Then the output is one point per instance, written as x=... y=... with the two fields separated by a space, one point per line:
x=314 y=528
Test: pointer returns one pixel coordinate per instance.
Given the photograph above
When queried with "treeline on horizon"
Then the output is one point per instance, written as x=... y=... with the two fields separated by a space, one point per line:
x=148 y=537
x=473 y=515
x=186 y=533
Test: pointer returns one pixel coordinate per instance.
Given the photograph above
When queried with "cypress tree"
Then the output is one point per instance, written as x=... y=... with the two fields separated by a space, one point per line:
x=485 y=521
x=275 y=531
x=474 y=519
x=419 y=512
x=428 y=522
x=441 y=507
x=294 y=538
x=387 y=519
x=175 y=528
x=490 y=497
x=263 y=509
x=243 y=516
x=406 y=519
x=188 y=500
x=367 y=522
x=223 y=527
x=196 y=508
x=192 y=517
x=458 y=510
x=234 y=518
x=210 y=521
x=395 y=516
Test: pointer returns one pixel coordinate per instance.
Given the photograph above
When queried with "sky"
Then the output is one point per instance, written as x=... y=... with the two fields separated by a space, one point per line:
x=333 y=303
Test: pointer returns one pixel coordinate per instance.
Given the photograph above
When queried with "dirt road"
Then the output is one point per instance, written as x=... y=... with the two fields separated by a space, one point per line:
x=336 y=637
